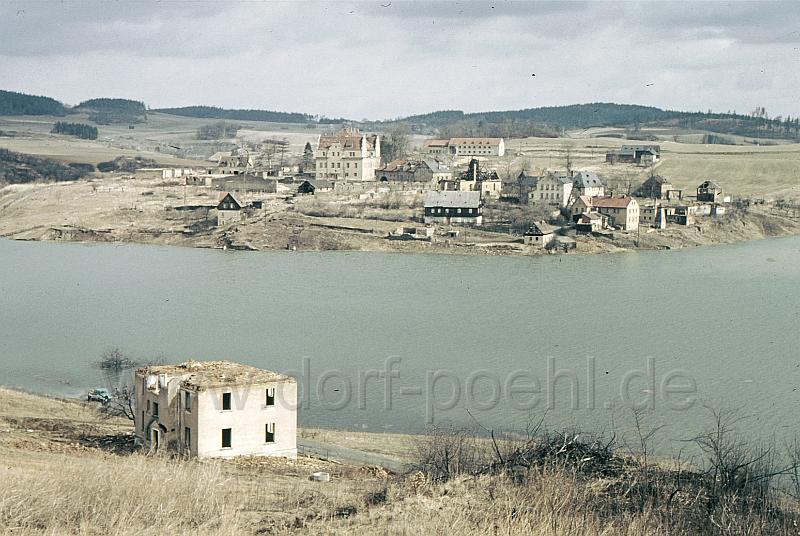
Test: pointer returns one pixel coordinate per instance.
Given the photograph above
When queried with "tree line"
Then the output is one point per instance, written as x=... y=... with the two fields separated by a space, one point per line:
x=212 y=112
x=217 y=131
x=79 y=130
x=18 y=168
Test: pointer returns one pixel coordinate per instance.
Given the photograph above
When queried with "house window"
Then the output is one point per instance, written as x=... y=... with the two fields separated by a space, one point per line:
x=226 y=401
x=271 y=396
x=226 y=438
x=148 y=405
x=270 y=435
x=155 y=409
x=187 y=437
x=143 y=425
x=187 y=401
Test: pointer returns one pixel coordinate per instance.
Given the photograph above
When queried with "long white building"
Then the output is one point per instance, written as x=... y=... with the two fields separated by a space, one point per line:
x=455 y=147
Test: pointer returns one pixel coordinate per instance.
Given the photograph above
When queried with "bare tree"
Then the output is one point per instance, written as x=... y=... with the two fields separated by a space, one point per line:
x=397 y=142
x=568 y=149
x=114 y=365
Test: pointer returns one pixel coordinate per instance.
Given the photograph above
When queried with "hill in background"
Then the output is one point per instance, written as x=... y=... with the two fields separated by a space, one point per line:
x=548 y=121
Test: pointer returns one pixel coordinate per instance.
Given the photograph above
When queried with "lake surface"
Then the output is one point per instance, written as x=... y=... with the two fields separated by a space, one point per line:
x=493 y=339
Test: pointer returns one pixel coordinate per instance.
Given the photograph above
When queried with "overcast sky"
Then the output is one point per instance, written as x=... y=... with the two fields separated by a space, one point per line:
x=390 y=58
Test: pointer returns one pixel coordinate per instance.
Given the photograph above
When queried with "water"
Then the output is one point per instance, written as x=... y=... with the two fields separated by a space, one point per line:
x=725 y=318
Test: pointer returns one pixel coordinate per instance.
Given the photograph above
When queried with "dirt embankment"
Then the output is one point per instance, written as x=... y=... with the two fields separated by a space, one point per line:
x=149 y=211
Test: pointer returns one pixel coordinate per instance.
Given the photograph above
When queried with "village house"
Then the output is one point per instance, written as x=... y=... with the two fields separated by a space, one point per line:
x=539 y=234
x=589 y=222
x=552 y=189
x=474 y=179
x=453 y=207
x=215 y=409
x=622 y=212
x=709 y=192
x=348 y=155
x=419 y=171
x=653 y=216
x=587 y=183
x=523 y=185
x=229 y=209
x=234 y=164
x=681 y=214
x=314 y=186
x=455 y=147
x=657 y=187
x=642 y=155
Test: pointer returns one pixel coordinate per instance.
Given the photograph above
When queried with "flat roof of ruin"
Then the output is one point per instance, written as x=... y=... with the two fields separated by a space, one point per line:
x=216 y=373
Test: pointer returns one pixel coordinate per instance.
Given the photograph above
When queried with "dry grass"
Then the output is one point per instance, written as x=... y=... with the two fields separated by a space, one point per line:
x=50 y=489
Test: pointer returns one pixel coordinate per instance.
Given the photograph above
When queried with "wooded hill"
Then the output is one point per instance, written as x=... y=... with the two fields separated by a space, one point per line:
x=107 y=111
x=556 y=119
x=212 y=112
x=542 y=121
x=13 y=103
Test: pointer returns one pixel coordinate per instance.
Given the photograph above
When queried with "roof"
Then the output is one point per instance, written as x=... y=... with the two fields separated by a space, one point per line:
x=317 y=183
x=349 y=138
x=586 y=179
x=539 y=229
x=527 y=180
x=216 y=373
x=558 y=176
x=588 y=217
x=655 y=149
x=452 y=199
x=223 y=195
x=608 y=202
x=709 y=184
x=463 y=141
x=436 y=143
x=475 y=141
x=216 y=156
x=435 y=165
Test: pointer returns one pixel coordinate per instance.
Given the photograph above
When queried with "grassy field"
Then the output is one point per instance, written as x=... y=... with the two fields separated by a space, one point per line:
x=68 y=470
x=770 y=172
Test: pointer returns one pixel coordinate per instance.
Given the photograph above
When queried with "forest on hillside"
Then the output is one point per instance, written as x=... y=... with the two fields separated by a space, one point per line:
x=13 y=103
x=212 y=112
x=556 y=119
x=108 y=111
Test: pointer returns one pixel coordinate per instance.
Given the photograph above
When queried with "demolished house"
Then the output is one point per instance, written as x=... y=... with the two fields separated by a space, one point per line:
x=215 y=409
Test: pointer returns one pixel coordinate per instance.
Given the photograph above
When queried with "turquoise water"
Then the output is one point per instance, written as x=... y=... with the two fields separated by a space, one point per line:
x=464 y=336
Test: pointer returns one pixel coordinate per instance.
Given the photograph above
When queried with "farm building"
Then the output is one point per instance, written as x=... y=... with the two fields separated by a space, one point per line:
x=453 y=207
x=635 y=154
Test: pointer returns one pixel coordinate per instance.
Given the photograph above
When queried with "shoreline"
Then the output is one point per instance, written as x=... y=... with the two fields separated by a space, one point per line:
x=116 y=209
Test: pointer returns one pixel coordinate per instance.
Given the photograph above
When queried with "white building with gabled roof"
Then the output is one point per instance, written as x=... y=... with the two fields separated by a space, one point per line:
x=348 y=155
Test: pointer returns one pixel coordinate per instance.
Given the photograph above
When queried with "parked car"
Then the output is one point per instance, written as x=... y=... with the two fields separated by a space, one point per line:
x=98 y=395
